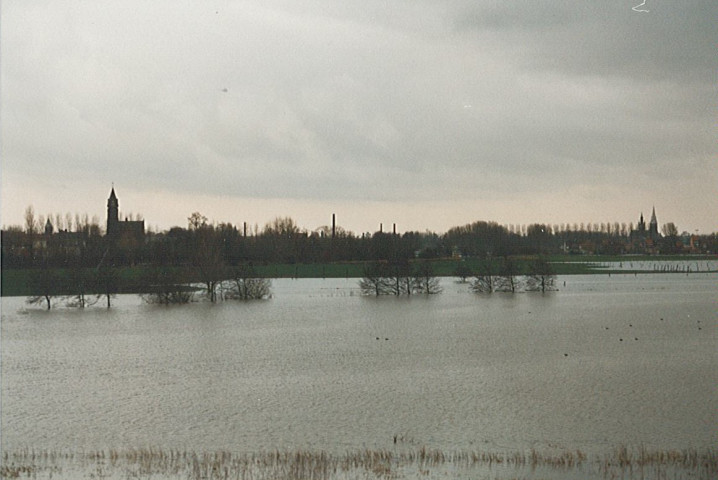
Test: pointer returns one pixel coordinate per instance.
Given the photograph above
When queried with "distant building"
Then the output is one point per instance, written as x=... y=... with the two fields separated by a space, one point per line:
x=641 y=228
x=122 y=230
x=645 y=240
x=653 y=226
x=651 y=232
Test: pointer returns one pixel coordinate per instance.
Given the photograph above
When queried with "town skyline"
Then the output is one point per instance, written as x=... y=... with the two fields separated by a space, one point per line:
x=103 y=221
x=420 y=114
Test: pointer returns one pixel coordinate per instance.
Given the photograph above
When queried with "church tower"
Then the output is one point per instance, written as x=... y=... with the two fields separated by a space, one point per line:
x=113 y=214
x=653 y=226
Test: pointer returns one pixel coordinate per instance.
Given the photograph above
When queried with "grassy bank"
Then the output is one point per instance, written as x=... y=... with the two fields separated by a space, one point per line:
x=15 y=282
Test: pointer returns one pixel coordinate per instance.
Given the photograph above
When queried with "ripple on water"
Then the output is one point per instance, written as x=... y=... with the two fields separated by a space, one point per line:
x=451 y=371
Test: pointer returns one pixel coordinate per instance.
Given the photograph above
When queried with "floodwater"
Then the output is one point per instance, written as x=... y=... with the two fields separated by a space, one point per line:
x=657 y=266
x=605 y=361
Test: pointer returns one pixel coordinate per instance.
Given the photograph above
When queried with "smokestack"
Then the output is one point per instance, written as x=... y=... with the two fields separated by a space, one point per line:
x=334 y=225
x=245 y=229
x=395 y=229
x=381 y=228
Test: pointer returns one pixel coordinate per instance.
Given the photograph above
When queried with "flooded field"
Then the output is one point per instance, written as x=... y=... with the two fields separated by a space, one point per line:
x=609 y=376
x=658 y=266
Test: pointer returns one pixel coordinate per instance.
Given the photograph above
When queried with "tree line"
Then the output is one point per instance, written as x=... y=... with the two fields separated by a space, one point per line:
x=161 y=284
x=493 y=275
x=503 y=275
x=214 y=281
x=283 y=241
x=165 y=279
x=218 y=255
x=210 y=260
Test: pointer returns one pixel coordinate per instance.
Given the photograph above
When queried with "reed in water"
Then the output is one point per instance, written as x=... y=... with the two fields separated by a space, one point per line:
x=154 y=463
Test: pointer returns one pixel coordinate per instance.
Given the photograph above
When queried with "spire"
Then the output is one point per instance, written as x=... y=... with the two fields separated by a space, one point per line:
x=113 y=213
x=653 y=227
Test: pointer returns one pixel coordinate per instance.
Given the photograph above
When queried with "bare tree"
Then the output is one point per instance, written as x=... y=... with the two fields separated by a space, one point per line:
x=375 y=280
x=58 y=222
x=463 y=271
x=485 y=281
x=425 y=281
x=399 y=278
x=166 y=285
x=207 y=259
x=507 y=280
x=541 y=276
x=669 y=229
x=94 y=228
x=246 y=285
x=282 y=227
x=30 y=222
x=43 y=284
x=106 y=283
x=86 y=224
x=196 y=221
x=79 y=285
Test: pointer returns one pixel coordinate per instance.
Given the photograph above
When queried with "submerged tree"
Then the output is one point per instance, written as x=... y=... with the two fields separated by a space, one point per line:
x=166 y=285
x=463 y=271
x=374 y=281
x=246 y=285
x=207 y=254
x=425 y=281
x=541 y=277
x=400 y=279
x=78 y=285
x=507 y=280
x=43 y=284
x=397 y=278
x=106 y=283
x=485 y=281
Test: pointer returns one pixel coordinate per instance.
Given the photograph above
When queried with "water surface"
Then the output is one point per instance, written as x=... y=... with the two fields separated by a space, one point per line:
x=604 y=361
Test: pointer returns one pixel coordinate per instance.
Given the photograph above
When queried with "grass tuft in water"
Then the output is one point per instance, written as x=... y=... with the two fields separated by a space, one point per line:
x=155 y=463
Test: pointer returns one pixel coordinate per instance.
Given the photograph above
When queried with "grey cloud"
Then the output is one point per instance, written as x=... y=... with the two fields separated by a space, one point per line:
x=354 y=100
x=672 y=40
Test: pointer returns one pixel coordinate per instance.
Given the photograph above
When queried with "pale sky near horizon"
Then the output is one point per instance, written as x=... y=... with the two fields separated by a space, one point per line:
x=422 y=113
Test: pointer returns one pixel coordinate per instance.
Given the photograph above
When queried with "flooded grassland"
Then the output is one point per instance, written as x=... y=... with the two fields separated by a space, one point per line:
x=608 y=377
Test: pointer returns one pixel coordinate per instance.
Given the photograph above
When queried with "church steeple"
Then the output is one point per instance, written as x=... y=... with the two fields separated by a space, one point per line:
x=653 y=226
x=113 y=213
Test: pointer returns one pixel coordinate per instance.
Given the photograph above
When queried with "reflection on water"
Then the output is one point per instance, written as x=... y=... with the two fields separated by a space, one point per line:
x=603 y=362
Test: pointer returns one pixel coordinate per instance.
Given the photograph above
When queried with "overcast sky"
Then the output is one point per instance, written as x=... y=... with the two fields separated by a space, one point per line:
x=427 y=114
